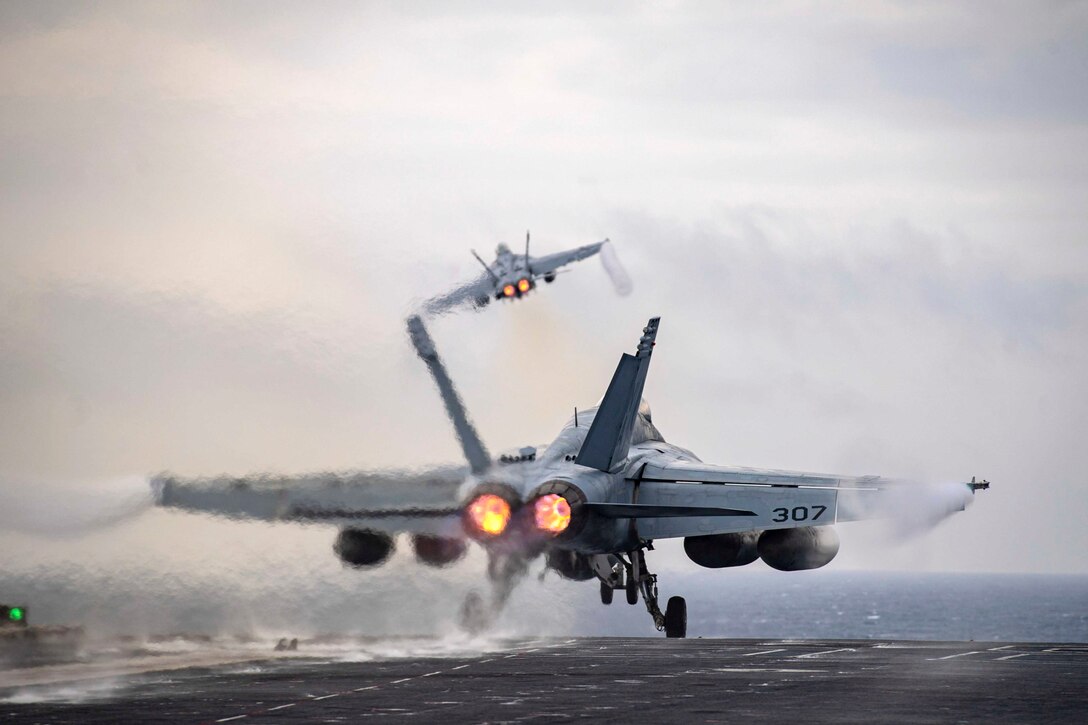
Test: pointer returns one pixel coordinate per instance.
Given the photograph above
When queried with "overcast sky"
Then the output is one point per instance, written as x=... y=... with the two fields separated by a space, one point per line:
x=863 y=225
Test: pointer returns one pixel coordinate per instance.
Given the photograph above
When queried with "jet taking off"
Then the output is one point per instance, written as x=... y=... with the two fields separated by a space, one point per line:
x=592 y=502
x=513 y=276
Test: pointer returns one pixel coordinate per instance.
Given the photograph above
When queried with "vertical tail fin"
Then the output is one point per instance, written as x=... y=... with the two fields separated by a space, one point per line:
x=471 y=445
x=528 y=265
x=609 y=438
x=487 y=269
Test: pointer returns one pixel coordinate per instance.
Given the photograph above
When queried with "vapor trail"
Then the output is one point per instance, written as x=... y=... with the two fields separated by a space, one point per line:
x=918 y=508
x=616 y=272
x=64 y=508
x=906 y=508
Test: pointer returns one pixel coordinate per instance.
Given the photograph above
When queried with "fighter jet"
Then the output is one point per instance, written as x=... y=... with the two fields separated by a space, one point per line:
x=592 y=502
x=513 y=276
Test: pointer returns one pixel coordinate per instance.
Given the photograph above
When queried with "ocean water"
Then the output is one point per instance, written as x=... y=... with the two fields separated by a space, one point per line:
x=883 y=605
x=407 y=600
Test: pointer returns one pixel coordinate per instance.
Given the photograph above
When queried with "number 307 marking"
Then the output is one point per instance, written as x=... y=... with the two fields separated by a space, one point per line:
x=798 y=513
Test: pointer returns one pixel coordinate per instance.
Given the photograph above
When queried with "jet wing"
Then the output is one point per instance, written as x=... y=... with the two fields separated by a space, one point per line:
x=417 y=502
x=480 y=288
x=708 y=499
x=551 y=262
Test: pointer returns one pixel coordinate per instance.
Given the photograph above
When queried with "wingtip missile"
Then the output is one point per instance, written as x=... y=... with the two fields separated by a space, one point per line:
x=976 y=485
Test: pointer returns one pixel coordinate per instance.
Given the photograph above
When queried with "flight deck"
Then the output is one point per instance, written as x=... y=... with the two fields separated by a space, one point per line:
x=610 y=679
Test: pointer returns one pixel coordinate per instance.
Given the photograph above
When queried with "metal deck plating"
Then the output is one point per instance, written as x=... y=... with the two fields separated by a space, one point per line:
x=654 y=680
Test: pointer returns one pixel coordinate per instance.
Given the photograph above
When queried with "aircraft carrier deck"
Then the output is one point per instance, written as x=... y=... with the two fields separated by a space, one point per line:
x=612 y=679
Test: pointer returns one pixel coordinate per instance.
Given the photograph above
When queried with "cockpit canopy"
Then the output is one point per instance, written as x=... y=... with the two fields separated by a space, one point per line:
x=644 y=424
x=644 y=410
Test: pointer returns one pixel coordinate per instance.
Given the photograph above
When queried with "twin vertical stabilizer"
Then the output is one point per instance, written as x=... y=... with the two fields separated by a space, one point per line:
x=471 y=445
x=609 y=439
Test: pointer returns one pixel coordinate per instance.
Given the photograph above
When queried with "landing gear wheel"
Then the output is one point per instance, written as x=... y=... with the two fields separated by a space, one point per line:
x=632 y=590
x=606 y=593
x=676 y=618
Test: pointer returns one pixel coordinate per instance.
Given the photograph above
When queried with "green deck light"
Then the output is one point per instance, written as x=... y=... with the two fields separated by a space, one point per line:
x=16 y=614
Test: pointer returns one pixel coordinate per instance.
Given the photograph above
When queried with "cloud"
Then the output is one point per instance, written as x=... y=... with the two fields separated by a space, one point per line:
x=863 y=228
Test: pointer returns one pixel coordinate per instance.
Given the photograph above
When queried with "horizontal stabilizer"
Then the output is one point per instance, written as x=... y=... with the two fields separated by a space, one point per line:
x=648 y=511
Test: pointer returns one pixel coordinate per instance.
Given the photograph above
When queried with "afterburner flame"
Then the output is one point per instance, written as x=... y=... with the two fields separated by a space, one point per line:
x=552 y=513
x=523 y=284
x=508 y=290
x=489 y=513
